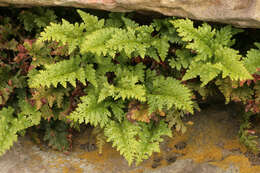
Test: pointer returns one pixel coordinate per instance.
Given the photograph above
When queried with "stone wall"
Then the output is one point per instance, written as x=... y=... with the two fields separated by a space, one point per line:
x=242 y=13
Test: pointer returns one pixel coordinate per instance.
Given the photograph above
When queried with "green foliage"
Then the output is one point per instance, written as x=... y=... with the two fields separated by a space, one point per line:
x=213 y=53
x=62 y=72
x=168 y=92
x=90 y=111
x=232 y=92
x=37 y=19
x=247 y=139
x=252 y=60
x=96 y=47
x=56 y=134
x=173 y=118
x=132 y=82
x=10 y=125
x=136 y=142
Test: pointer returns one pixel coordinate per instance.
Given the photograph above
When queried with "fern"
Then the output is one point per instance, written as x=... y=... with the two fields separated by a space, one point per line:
x=168 y=92
x=126 y=85
x=61 y=72
x=52 y=95
x=150 y=138
x=64 y=33
x=91 y=23
x=93 y=36
x=11 y=125
x=37 y=19
x=182 y=61
x=252 y=59
x=56 y=134
x=232 y=92
x=125 y=76
x=173 y=118
x=8 y=129
x=100 y=138
x=136 y=141
x=214 y=55
x=90 y=111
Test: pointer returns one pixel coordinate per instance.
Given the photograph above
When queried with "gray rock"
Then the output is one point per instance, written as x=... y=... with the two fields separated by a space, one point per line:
x=188 y=166
x=241 y=13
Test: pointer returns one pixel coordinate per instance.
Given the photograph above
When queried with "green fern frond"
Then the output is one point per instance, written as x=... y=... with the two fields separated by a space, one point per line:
x=100 y=138
x=61 y=72
x=7 y=131
x=232 y=92
x=136 y=142
x=96 y=41
x=123 y=137
x=162 y=45
x=227 y=58
x=65 y=33
x=168 y=92
x=183 y=59
x=11 y=125
x=91 y=22
x=125 y=85
x=90 y=111
x=206 y=71
x=252 y=60
x=213 y=52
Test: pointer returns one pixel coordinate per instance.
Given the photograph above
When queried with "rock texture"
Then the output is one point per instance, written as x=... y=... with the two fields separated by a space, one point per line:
x=241 y=13
x=210 y=145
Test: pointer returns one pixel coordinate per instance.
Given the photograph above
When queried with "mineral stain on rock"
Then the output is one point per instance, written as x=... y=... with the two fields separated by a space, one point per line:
x=210 y=145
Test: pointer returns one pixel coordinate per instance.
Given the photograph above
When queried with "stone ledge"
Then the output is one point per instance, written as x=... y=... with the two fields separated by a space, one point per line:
x=240 y=13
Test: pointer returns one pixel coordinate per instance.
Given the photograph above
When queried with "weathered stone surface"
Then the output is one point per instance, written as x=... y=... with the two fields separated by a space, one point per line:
x=211 y=146
x=242 y=13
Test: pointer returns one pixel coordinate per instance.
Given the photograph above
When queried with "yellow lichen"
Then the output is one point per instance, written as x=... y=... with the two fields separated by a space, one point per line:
x=239 y=161
x=234 y=145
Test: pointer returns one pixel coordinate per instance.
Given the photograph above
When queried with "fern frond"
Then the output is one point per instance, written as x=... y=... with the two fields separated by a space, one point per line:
x=91 y=22
x=90 y=111
x=125 y=85
x=229 y=58
x=100 y=138
x=207 y=72
x=123 y=137
x=168 y=92
x=150 y=138
x=7 y=131
x=136 y=142
x=52 y=95
x=67 y=34
x=96 y=41
x=231 y=91
x=11 y=125
x=162 y=45
x=61 y=72
x=212 y=50
x=252 y=60
x=183 y=59
x=173 y=117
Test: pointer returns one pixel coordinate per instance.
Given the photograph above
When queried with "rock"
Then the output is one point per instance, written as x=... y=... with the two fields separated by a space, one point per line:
x=241 y=13
x=202 y=152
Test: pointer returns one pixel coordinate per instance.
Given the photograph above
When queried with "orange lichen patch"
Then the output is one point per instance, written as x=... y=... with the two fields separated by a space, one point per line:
x=72 y=169
x=177 y=138
x=205 y=154
x=234 y=145
x=94 y=157
x=240 y=161
x=137 y=171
